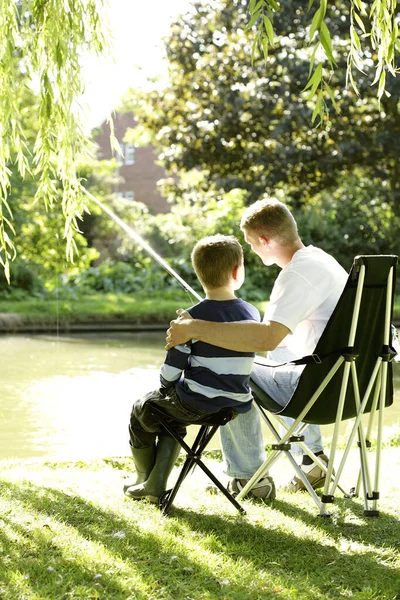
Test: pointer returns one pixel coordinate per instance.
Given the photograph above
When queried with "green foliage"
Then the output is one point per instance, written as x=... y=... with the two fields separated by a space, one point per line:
x=39 y=236
x=250 y=116
x=42 y=42
x=39 y=230
x=356 y=218
x=23 y=282
x=233 y=133
x=121 y=277
x=372 y=27
x=195 y=214
x=248 y=126
x=107 y=236
x=198 y=211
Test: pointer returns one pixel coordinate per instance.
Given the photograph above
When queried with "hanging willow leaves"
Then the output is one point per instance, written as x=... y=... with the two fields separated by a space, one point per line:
x=41 y=44
x=375 y=23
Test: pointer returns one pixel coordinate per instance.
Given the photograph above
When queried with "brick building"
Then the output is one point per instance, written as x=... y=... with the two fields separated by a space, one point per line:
x=137 y=168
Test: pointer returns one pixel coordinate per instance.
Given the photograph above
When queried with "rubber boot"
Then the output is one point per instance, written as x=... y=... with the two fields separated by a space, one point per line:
x=167 y=453
x=144 y=459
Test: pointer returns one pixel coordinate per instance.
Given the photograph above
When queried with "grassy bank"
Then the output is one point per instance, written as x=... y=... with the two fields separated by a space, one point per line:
x=139 y=309
x=102 y=308
x=68 y=532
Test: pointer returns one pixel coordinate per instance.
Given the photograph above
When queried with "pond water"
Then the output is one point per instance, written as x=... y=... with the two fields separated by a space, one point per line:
x=69 y=397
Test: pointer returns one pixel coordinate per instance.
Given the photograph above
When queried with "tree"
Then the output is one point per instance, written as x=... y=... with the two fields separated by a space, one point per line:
x=38 y=229
x=355 y=218
x=372 y=26
x=42 y=42
x=248 y=126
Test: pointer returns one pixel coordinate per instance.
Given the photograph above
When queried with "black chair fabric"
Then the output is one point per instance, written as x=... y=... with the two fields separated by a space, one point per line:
x=333 y=342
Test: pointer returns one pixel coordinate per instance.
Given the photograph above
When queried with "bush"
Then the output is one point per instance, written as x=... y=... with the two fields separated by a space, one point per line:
x=356 y=218
x=23 y=282
x=121 y=277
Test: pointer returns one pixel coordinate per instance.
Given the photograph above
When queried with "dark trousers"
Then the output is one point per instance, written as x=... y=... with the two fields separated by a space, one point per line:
x=144 y=426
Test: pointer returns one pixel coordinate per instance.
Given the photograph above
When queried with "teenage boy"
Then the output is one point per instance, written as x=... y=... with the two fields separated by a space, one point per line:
x=302 y=299
x=197 y=379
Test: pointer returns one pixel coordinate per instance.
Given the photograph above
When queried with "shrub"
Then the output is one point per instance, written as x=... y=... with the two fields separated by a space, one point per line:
x=22 y=280
x=143 y=276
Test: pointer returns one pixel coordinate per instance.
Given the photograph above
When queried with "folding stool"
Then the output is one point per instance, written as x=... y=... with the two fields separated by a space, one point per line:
x=208 y=427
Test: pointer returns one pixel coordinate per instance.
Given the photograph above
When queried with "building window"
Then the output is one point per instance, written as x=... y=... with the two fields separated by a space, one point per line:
x=130 y=195
x=129 y=154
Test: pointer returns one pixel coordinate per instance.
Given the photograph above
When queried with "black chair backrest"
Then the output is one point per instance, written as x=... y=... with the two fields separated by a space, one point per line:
x=368 y=344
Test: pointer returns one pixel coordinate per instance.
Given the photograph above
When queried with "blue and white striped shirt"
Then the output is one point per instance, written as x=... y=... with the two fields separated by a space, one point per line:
x=206 y=376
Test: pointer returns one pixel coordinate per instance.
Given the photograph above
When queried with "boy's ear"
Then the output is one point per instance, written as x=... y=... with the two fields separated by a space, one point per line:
x=264 y=240
x=235 y=272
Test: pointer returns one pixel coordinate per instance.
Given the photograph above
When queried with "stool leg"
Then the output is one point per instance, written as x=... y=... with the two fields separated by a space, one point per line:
x=194 y=458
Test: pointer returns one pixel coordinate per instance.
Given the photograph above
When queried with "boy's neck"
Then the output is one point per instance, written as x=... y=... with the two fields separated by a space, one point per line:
x=222 y=293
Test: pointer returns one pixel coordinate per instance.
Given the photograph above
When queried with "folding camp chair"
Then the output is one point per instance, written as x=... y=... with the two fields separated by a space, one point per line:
x=208 y=428
x=356 y=340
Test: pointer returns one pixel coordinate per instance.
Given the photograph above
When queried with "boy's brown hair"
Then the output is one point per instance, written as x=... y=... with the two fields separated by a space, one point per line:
x=270 y=218
x=214 y=259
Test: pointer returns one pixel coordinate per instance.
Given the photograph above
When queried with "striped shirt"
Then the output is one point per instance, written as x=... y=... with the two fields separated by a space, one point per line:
x=206 y=376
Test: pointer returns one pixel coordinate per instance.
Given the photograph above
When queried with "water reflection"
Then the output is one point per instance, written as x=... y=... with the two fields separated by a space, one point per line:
x=69 y=397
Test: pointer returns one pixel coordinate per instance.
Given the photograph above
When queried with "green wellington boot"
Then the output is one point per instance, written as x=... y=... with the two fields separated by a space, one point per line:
x=167 y=453
x=144 y=459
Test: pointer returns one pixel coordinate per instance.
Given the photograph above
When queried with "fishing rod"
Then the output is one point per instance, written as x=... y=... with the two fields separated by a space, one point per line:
x=141 y=242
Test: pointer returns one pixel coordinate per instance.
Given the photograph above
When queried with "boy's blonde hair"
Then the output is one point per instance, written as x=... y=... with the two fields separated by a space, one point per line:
x=270 y=218
x=214 y=259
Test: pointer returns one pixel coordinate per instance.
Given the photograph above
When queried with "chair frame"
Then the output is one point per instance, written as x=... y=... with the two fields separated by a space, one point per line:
x=207 y=430
x=377 y=382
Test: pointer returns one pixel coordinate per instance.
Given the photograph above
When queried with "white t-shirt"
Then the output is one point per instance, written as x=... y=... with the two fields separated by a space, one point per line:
x=303 y=298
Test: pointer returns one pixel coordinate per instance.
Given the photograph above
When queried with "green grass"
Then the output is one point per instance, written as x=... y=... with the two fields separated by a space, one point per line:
x=159 y=308
x=67 y=532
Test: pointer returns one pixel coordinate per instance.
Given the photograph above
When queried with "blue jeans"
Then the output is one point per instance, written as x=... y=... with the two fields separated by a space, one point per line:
x=242 y=440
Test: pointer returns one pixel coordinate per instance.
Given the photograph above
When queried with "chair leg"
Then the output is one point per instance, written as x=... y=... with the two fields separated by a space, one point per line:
x=274 y=455
x=374 y=512
x=363 y=443
x=194 y=458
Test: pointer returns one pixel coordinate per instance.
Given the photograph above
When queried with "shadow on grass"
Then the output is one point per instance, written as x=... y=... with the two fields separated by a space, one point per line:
x=367 y=571
x=184 y=556
x=348 y=520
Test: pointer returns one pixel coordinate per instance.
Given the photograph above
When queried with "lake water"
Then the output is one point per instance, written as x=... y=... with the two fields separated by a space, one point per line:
x=69 y=397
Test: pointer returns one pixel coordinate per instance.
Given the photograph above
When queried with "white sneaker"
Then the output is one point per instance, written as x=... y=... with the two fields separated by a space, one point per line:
x=315 y=475
x=264 y=489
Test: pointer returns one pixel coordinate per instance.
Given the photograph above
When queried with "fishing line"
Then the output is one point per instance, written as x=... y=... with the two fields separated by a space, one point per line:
x=58 y=218
x=139 y=240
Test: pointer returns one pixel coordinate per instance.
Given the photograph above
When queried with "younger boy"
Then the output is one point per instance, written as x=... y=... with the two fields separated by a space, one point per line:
x=197 y=379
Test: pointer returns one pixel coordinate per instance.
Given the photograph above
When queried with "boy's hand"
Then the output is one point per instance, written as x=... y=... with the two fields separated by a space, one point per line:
x=179 y=332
